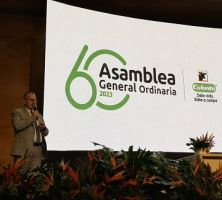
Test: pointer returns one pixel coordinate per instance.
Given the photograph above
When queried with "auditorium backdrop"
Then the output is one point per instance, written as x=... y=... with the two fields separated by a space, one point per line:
x=22 y=43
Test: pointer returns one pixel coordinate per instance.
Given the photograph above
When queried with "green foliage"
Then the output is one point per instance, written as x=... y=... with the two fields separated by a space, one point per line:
x=108 y=175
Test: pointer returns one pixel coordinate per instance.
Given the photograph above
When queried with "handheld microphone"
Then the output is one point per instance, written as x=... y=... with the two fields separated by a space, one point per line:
x=35 y=109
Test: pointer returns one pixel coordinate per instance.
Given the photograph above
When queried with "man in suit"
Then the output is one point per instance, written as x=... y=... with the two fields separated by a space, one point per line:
x=30 y=131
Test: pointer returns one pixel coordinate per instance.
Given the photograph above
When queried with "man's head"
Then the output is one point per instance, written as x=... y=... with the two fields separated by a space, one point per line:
x=30 y=100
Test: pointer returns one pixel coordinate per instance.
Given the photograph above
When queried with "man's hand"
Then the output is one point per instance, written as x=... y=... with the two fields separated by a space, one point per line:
x=35 y=114
x=42 y=126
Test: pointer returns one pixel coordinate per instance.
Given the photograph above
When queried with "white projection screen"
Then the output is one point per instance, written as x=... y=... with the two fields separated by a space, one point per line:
x=120 y=81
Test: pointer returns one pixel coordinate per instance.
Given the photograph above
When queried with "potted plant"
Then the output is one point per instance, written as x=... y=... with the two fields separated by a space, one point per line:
x=202 y=144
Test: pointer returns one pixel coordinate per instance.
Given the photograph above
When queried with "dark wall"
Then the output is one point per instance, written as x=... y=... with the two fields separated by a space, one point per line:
x=192 y=12
x=22 y=45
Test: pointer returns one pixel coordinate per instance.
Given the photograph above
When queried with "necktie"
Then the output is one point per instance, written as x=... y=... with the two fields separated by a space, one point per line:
x=37 y=137
x=37 y=134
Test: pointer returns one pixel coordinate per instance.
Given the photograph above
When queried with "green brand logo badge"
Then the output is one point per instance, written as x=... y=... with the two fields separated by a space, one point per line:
x=75 y=73
x=204 y=87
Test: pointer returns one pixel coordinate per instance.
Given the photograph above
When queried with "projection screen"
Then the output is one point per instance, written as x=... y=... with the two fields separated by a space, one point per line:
x=121 y=81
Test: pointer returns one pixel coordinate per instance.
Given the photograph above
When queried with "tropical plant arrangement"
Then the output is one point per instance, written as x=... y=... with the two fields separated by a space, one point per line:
x=204 y=142
x=108 y=175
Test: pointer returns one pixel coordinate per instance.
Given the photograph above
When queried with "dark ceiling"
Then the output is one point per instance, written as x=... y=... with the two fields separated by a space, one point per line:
x=193 y=12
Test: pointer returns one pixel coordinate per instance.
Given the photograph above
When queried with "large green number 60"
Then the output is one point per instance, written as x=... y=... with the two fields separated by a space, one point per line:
x=75 y=74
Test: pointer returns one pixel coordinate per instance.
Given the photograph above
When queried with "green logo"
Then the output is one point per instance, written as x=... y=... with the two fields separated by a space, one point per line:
x=75 y=73
x=204 y=87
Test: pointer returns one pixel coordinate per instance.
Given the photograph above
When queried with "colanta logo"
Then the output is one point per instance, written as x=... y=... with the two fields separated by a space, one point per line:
x=203 y=87
x=76 y=73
